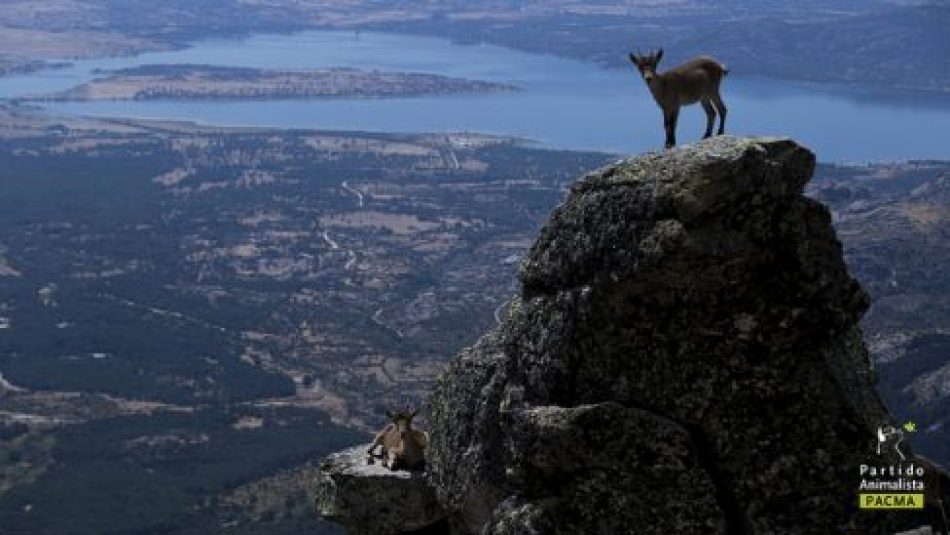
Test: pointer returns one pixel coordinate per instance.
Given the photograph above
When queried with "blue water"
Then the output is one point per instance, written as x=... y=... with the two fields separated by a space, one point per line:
x=565 y=103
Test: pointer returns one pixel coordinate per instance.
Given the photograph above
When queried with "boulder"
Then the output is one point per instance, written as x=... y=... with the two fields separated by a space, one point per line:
x=371 y=499
x=684 y=357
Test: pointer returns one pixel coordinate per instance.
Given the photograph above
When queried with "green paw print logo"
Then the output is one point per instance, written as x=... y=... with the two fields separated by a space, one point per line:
x=910 y=427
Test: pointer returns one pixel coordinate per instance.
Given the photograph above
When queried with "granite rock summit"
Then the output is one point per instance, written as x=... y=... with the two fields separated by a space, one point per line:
x=684 y=357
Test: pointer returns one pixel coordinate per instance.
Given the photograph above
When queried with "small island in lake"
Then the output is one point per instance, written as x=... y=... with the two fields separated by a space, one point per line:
x=154 y=82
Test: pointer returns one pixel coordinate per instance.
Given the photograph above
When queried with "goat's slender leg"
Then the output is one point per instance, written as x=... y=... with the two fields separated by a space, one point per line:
x=372 y=448
x=371 y=452
x=721 y=108
x=710 y=116
x=669 y=121
x=377 y=441
x=392 y=459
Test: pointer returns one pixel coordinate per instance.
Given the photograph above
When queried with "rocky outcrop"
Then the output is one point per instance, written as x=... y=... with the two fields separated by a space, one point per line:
x=371 y=499
x=684 y=357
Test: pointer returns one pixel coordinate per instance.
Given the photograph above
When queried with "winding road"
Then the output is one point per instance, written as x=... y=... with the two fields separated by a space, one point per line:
x=330 y=241
x=359 y=194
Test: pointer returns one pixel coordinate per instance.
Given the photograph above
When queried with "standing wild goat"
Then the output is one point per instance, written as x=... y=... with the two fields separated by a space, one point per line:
x=694 y=81
x=403 y=446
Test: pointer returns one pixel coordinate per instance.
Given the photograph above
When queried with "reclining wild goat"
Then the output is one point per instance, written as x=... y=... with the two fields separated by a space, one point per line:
x=402 y=446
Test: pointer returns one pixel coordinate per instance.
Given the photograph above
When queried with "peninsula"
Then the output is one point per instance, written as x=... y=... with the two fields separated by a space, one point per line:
x=181 y=82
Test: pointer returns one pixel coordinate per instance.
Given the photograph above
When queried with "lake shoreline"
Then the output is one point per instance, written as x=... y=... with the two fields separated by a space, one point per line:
x=208 y=82
x=855 y=89
x=565 y=104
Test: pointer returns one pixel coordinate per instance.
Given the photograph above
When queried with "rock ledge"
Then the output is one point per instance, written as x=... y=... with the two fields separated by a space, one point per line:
x=370 y=499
